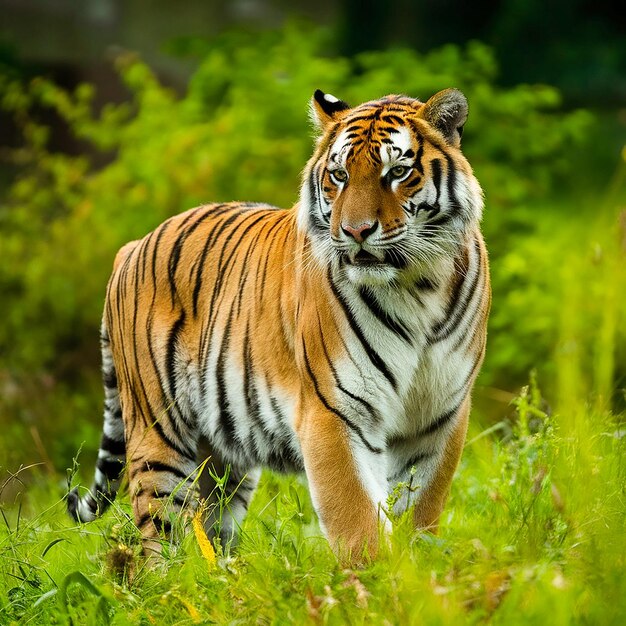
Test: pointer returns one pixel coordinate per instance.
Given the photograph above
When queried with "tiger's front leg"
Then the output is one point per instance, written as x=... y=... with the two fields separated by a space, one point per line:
x=433 y=498
x=346 y=481
x=423 y=481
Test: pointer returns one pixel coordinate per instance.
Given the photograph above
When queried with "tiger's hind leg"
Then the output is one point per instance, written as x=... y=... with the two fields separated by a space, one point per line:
x=163 y=485
x=162 y=471
x=226 y=491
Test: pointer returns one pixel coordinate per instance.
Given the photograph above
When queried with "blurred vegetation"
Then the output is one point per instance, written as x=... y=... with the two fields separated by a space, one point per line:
x=577 y=45
x=240 y=131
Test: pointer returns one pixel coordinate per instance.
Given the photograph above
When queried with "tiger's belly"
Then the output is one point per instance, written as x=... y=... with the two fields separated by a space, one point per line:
x=249 y=423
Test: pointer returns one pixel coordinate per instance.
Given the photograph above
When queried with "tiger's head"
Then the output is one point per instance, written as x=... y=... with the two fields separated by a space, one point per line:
x=387 y=190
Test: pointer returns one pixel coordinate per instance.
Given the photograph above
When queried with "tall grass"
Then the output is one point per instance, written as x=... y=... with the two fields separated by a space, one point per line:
x=534 y=533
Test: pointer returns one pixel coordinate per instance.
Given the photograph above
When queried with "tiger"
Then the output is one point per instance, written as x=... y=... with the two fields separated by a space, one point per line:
x=340 y=338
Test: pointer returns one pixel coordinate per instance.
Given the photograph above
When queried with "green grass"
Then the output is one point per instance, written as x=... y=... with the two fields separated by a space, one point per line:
x=533 y=533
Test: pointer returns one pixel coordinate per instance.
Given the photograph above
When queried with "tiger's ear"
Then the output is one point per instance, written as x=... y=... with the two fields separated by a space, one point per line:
x=324 y=108
x=447 y=112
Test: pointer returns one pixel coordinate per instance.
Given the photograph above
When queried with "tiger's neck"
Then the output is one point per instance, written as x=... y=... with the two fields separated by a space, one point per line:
x=335 y=313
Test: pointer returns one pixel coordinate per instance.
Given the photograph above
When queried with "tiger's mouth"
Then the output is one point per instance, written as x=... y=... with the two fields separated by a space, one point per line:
x=363 y=258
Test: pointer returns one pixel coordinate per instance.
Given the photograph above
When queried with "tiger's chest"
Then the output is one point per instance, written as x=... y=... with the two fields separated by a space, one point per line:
x=427 y=380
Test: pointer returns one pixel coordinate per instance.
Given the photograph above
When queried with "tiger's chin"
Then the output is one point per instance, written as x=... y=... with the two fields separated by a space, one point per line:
x=372 y=275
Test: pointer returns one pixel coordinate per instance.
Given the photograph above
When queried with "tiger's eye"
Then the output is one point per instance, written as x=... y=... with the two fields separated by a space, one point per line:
x=339 y=175
x=398 y=171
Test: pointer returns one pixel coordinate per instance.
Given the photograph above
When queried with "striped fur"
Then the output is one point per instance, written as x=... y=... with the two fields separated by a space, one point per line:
x=341 y=337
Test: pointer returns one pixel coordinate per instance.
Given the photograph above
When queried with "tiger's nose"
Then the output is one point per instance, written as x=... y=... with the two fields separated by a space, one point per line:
x=361 y=232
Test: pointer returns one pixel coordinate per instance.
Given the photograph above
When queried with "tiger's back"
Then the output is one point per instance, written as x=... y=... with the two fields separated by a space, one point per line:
x=341 y=337
x=193 y=294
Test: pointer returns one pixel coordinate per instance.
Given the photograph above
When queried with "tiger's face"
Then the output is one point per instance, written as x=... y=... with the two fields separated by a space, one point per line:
x=388 y=190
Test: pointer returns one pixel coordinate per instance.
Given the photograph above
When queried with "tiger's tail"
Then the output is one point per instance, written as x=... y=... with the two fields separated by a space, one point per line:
x=112 y=454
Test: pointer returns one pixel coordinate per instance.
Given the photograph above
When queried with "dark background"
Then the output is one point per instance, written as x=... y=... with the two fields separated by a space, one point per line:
x=575 y=45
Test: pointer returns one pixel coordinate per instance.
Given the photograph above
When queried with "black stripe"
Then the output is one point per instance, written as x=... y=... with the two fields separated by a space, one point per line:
x=201 y=263
x=454 y=296
x=453 y=204
x=184 y=452
x=435 y=167
x=137 y=368
x=91 y=503
x=112 y=446
x=448 y=326
x=316 y=222
x=137 y=404
x=412 y=462
x=359 y=118
x=190 y=215
x=468 y=378
x=170 y=359
x=174 y=496
x=172 y=264
x=223 y=264
x=418 y=159
x=251 y=395
x=383 y=316
x=208 y=325
x=252 y=246
x=109 y=378
x=370 y=409
x=182 y=238
x=154 y=421
x=111 y=468
x=323 y=400
x=226 y=418
x=143 y=520
x=439 y=422
x=251 y=399
x=162 y=230
x=417 y=179
x=471 y=316
x=158 y=466
x=426 y=284
x=369 y=350
x=160 y=525
x=267 y=253
x=143 y=254
x=223 y=270
x=392 y=119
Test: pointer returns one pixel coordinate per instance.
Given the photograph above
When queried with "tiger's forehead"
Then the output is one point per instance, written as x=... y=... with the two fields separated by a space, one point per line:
x=379 y=143
x=380 y=131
